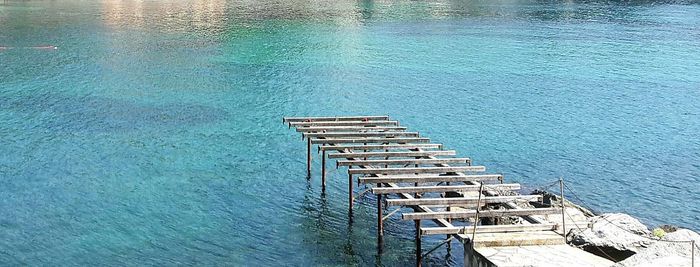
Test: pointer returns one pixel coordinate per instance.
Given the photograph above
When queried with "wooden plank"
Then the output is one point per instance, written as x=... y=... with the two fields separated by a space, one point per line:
x=442 y=188
x=460 y=201
x=334 y=118
x=488 y=229
x=392 y=154
x=343 y=123
x=371 y=140
x=350 y=129
x=472 y=213
x=380 y=147
x=429 y=178
x=418 y=170
x=361 y=134
x=371 y=162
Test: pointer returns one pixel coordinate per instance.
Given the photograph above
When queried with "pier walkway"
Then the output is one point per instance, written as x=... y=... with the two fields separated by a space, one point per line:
x=442 y=193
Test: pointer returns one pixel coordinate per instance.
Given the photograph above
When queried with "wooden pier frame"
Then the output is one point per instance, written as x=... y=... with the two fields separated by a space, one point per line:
x=349 y=155
x=483 y=213
x=380 y=147
x=419 y=161
x=380 y=140
x=402 y=166
x=335 y=118
x=343 y=123
x=360 y=134
x=350 y=128
x=418 y=170
x=443 y=188
x=430 y=178
x=488 y=229
x=460 y=201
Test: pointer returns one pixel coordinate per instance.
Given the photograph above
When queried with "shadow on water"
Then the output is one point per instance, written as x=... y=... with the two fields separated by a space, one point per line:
x=325 y=217
x=63 y=113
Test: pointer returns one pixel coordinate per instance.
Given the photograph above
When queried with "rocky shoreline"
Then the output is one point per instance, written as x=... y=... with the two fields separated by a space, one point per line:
x=625 y=240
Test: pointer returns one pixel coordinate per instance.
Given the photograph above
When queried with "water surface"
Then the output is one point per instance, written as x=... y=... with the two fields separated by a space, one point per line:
x=153 y=134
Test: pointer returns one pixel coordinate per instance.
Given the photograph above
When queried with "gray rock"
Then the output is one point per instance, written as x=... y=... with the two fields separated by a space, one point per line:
x=683 y=235
x=613 y=235
x=664 y=253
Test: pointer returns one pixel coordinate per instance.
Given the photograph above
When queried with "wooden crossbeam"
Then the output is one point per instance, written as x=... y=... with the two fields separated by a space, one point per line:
x=350 y=129
x=460 y=201
x=342 y=123
x=372 y=140
x=488 y=229
x=337 y=118
x=348 y=155
x=430 y=178
x=380 y=147
x=361 y=134
x=472 y=213
x=443 y=188
x=418 y=170
x=371 y=162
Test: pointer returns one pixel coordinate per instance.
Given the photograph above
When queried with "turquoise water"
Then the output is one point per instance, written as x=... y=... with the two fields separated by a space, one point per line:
x=153 y=134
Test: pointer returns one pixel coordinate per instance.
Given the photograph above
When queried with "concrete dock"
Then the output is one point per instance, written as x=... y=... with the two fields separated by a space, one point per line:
x=537 y=255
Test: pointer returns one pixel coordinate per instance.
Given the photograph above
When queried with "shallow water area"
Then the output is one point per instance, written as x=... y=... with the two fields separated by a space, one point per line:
x=153 y=134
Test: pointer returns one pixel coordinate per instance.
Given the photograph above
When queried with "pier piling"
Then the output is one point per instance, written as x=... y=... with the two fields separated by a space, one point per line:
x=308 y=159
x=323 y=171
x=380 y=223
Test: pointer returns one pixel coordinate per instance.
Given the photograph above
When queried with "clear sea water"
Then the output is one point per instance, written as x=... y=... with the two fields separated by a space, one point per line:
x=153 y=134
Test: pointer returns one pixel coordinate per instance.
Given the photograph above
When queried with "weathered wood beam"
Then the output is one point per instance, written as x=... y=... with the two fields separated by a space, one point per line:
x=393 y=154
x=334 y=118
x=472 y=213
x=460 y=201
x=342 y=123
x=350 y=129
x=430 y=178
x=418 y=170
x=380 y=147
x=381 y=140
x=371 y=162
x=488 y=229
x=361 y=134
x=442 y=188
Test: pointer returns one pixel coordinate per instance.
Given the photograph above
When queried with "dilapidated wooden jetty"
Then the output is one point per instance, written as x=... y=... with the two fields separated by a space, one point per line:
x=442 y=193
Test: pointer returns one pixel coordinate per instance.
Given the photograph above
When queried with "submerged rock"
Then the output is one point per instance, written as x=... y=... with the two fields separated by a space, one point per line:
x=615 y=236
x=672 y=250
